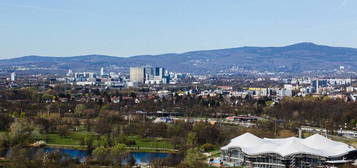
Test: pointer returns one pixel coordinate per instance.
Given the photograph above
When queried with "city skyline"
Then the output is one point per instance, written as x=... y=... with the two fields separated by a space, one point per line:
x=120 y=28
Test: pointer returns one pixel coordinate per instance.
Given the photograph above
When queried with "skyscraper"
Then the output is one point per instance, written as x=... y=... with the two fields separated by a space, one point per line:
x=316 y=84
x=137 y=74
x=70 y=72
x=13 y=76
x=101 y=71
x=148 y=75
x=159 y=73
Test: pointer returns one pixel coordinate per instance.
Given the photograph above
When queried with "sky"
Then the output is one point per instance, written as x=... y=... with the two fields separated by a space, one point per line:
x=136 y=27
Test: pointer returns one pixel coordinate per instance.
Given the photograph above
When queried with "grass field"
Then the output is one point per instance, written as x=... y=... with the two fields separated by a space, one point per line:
x=71 y=139
x=74 y=140
x=151 y=142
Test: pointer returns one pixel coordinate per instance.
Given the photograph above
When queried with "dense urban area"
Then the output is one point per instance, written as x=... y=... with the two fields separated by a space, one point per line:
x=151 y=117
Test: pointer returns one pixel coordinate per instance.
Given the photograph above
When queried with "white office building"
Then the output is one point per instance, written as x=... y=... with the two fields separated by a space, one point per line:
x=13 y=76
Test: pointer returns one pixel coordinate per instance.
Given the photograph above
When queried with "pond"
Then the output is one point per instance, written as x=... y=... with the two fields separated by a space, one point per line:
x=140 y=157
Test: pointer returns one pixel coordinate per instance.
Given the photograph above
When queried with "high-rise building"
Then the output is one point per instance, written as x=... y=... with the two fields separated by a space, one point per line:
x=101 y=71
x=13 y=76
x=70 y=72
x=137 y=74
x=91 y=75
x=316 y=84
x=149 y=75
x=342 y=68
x=159 y=73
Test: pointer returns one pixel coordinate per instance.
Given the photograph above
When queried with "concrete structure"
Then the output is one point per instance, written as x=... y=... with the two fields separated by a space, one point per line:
x=314 y=151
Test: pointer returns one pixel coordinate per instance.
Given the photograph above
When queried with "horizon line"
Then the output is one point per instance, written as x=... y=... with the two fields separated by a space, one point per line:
x=198 y=50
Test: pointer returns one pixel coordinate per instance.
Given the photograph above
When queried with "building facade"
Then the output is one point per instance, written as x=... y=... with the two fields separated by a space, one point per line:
x=148 y=75
x=137 y=74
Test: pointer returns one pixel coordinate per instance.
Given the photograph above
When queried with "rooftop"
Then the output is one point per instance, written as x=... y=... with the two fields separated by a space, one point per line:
x=316 y=145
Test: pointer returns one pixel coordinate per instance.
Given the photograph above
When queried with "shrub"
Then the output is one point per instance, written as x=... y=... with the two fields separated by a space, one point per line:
x=207 y=147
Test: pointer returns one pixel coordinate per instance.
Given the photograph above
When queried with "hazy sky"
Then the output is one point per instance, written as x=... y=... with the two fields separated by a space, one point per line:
x=133 y=27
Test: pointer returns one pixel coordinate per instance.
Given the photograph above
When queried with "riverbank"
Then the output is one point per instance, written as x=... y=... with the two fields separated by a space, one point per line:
x=141 y=144
x=129 y=148
x=73 y=141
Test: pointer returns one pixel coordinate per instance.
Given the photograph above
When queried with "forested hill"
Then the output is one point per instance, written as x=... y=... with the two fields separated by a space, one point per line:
x=293 y=58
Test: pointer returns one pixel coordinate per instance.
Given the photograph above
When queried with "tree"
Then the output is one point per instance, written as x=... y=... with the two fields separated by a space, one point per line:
x=63 y=130
x=207 y=147
x=23 y=132
x=87 y=140
x=101 y=154
x=4 y=142
x=191 y=139
x=157 y=163
x=193 y=157
x=118 y=153
x=79 y=110
x=19 y=159
x=131 y=161
x=56 y=159
x=102 y=141
x=5 y=121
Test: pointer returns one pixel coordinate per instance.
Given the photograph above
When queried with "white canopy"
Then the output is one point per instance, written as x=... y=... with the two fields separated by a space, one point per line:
x=246 y=140
x=316 y=145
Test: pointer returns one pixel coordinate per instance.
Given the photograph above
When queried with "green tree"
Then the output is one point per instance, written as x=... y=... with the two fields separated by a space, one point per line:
x=193 y=158
x=4 y=142
x=102 y=141
x=131 y=161
x=88 y=141
x=23 y=132
x=191 y=139
x=79 y=110
x=118 y=153
x=101 y=154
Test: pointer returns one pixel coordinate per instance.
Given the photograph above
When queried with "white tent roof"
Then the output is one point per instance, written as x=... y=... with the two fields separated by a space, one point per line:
x=296 y=147
x=245 y=140
x=261 y=148
x=332 y=148
x=314 y=145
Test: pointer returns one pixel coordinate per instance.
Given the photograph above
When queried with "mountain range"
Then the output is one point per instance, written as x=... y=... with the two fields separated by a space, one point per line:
x=300 y=57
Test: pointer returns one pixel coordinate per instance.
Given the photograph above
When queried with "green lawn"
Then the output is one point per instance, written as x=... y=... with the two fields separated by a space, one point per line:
x=71 y=139
x=74 y=139
x=151 y=142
